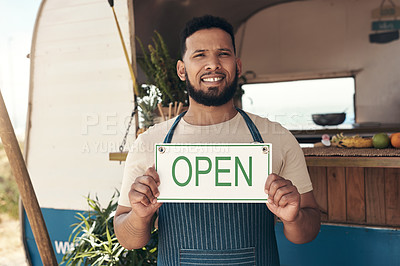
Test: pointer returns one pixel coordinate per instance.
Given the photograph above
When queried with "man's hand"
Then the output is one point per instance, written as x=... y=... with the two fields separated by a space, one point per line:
x=143 y=194
x=299 y=213
x=283 y=198
x=133 y=224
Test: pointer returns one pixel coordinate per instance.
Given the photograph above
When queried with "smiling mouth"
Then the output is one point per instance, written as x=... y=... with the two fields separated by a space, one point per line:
x=216 y=79
x=212 y=77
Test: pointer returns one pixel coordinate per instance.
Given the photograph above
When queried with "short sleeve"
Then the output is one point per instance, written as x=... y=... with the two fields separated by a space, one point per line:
x=138 y=160
x=294 y=165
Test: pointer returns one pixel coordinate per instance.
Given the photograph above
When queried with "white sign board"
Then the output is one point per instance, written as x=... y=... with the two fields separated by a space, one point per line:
x=213 y=172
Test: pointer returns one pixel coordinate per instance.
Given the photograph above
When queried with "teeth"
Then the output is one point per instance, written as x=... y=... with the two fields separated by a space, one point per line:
x=212 y=79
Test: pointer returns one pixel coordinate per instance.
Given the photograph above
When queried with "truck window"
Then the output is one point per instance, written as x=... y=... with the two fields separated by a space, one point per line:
x=292 y=103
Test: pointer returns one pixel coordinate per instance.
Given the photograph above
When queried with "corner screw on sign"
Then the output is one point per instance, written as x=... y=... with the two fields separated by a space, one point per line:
x=161 y=149
x=265 y=149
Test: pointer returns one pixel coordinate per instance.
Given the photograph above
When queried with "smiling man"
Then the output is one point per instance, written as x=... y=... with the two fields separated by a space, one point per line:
x=216 y=233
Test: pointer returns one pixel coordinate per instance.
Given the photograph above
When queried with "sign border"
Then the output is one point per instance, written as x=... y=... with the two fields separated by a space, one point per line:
x=269 y=171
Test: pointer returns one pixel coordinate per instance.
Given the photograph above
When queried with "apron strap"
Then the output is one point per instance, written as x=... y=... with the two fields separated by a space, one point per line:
x=170 y=134
x=252 y=127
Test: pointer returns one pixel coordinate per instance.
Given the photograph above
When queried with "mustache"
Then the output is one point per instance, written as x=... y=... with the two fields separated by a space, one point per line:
x=213 y=72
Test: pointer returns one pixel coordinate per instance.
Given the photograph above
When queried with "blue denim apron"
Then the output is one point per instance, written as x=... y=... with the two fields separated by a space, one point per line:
x=227 y=234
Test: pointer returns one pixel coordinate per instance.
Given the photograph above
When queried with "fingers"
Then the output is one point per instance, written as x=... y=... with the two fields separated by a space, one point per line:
x=281 y=191
x=271 y=178
x=285 y=195
x=151 y=171
x=145 y=188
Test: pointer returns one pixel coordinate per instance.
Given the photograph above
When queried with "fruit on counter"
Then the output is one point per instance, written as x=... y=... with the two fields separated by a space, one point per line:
x=380 y=140
x=335 y=139
x=351 y=141
x=325 y=140
x=395 y=140
x=355 y=142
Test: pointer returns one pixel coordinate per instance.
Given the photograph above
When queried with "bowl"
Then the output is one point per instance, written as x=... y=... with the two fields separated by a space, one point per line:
x=329 y=119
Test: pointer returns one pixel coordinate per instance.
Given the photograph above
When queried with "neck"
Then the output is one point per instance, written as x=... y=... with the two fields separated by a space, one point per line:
x=201 y=115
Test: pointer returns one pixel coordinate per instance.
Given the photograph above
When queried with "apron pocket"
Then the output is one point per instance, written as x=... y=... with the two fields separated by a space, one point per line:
x=198 y=257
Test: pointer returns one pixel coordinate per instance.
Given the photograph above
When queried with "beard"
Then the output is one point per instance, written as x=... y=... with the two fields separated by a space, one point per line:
x=212 y=97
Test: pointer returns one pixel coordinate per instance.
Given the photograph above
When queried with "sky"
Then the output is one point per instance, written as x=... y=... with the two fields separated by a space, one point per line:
x=17 y=20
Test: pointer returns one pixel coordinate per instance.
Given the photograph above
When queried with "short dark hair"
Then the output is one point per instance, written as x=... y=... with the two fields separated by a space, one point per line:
x=205 y=22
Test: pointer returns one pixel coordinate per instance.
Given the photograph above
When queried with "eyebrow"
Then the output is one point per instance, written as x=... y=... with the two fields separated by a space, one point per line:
x=199 y=51
x=204 y=50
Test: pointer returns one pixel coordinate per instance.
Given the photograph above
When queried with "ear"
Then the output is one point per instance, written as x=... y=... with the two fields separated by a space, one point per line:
x=180 y=70
x=238 y=66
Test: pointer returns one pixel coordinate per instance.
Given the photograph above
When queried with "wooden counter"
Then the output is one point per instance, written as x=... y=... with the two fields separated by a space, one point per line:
x=357 y=190
x=367 y=129
x=386 y=162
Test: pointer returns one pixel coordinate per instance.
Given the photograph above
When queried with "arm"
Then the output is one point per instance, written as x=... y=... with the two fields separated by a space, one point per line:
x=299 y=212
x=133 y=224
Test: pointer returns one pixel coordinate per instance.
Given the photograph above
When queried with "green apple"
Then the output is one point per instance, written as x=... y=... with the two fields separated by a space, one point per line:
x=380 y=140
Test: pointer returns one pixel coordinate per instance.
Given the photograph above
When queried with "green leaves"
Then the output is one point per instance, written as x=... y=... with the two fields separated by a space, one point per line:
x=160 y=70
x=95 y=242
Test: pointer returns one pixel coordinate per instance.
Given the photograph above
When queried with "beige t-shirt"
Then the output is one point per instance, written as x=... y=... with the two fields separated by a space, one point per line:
x=287 y=156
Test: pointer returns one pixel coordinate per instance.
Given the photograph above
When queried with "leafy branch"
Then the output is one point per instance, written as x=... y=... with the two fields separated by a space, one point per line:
x=160 y=70
x=95 y=242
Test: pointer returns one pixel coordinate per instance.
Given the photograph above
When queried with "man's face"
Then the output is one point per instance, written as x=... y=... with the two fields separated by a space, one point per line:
x=210 y=67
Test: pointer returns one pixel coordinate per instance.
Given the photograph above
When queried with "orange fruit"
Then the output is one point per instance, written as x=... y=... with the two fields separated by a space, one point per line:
x=395 y=140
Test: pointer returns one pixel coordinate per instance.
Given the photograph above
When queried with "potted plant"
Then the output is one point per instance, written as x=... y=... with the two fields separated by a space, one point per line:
x=160 y=70
x=162 y=84
x=95 y=242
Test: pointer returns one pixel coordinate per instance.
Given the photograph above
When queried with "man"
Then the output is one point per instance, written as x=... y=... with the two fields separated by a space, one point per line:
x=216 y=233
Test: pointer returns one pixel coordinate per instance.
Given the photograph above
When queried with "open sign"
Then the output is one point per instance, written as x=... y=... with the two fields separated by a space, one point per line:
x=213 y=172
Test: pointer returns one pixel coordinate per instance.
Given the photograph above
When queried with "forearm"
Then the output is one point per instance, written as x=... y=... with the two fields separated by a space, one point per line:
x=305 y=227
x=132 y=232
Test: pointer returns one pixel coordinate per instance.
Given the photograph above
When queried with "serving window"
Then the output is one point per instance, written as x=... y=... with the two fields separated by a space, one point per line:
x=292 y=103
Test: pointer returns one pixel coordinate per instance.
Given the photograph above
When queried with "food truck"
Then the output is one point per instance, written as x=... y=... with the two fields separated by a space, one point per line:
x=81 y=99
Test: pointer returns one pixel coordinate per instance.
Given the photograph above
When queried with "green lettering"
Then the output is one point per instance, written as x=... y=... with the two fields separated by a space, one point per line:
x=217 y=171
x=248 y=177
x=198 y=171
x=173 y=171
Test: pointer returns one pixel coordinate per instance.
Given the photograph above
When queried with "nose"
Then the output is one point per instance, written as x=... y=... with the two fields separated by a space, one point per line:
x=213 y=63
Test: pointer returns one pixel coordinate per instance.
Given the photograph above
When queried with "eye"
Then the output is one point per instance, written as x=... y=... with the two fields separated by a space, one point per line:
x=198 y=55
x=224 y=54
